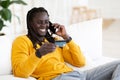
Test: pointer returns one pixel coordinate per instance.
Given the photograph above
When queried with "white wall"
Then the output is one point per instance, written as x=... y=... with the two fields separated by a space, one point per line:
x=59 y=11
x=108 y=8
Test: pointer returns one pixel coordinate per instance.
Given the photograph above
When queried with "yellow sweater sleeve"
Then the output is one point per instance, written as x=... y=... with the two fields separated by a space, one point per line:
x=23 y=63
x=73 y=54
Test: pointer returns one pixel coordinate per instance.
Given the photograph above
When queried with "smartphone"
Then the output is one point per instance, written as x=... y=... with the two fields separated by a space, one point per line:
x=60 y=43
x=52 y=29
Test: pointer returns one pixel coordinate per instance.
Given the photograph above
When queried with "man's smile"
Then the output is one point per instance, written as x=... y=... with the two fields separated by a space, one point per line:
x=42 y=30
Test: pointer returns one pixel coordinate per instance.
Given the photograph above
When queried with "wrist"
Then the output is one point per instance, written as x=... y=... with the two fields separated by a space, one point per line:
x=66 y=37
x=68 y=40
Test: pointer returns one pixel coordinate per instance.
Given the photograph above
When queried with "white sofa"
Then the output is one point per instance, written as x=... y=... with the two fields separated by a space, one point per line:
x=87 y=34
x=5 y=60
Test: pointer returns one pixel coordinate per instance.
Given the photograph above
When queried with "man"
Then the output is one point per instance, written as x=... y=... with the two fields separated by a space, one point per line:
x=36 y=54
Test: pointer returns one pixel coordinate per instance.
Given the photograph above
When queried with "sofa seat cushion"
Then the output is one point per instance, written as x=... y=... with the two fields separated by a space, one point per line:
x=11 y=77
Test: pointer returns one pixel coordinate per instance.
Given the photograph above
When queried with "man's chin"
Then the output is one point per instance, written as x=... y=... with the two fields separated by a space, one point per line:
x=42 y=35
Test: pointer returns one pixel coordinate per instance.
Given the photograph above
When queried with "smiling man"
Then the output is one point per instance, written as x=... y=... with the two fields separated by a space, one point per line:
x=36 y=54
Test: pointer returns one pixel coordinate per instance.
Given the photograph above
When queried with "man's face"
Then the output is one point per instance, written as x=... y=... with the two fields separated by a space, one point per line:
x=40 y=23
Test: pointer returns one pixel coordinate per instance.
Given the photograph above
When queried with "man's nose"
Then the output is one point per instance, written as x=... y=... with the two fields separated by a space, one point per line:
x=43 y=23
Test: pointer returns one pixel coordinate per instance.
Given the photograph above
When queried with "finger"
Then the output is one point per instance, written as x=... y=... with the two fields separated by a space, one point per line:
x=50 y=46
x=56 y=25
x=49 y=50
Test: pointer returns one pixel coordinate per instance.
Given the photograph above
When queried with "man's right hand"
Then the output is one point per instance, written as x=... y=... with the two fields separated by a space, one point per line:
x=46 y=48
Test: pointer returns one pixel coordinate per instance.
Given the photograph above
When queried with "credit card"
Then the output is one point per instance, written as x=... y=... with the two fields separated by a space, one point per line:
x=60 y=43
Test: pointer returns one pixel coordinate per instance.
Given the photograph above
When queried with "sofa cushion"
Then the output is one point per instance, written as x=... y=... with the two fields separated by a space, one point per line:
x=5 y=55
x=11 y=77
x=88 y=35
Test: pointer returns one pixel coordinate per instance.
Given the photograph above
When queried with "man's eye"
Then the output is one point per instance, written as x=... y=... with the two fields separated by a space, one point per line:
x=39 y=22
x=43 y=22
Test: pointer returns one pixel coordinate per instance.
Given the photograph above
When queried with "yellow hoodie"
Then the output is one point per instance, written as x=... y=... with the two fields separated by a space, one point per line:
x=25 y=63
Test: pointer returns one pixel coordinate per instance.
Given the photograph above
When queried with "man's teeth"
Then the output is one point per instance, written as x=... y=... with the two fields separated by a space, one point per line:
x=43 y=30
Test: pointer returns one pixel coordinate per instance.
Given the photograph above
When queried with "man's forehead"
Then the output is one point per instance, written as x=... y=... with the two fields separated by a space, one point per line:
x=42 y=16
